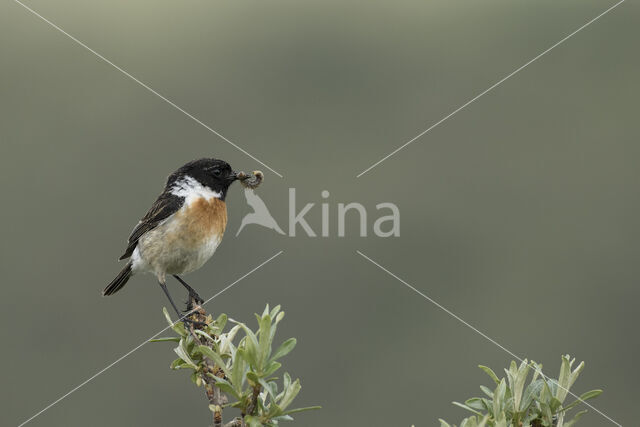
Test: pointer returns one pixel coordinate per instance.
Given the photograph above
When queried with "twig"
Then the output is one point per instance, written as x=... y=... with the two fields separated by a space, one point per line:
x=215 y=396
x=254 y=400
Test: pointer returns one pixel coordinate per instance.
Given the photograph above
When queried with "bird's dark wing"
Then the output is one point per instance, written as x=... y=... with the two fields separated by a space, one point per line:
x=166 y=205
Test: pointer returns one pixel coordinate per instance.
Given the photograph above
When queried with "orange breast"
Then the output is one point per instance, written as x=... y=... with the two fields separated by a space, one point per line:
x=204 y=219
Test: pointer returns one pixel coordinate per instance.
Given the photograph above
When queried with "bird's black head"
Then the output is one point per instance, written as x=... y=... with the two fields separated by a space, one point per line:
x=214 y=174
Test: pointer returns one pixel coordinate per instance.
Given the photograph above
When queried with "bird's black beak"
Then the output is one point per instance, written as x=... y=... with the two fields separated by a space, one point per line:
x=238 y=175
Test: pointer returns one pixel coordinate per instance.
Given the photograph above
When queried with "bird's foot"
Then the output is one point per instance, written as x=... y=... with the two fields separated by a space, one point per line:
x=193 y=296
x=195 y=323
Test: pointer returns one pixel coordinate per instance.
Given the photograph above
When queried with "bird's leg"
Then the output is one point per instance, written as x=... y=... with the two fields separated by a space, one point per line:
x=173 y=304
x=192 y=292
x=181 y=316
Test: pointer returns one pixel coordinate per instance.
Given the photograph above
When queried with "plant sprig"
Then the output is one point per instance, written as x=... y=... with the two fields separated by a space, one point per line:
x=514 y=403
x=238 y=363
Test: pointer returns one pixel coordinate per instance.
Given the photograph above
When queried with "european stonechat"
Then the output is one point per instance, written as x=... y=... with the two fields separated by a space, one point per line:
x=182 y=229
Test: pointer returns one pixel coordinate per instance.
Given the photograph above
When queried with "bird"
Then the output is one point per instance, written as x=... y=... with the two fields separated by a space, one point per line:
x=182 y=229
x=260 y=214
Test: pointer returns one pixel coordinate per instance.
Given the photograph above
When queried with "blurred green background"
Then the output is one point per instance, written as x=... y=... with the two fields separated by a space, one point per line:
x=521 y=214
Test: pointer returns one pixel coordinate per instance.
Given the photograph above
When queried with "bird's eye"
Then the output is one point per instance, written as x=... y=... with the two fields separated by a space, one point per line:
x=216 y=172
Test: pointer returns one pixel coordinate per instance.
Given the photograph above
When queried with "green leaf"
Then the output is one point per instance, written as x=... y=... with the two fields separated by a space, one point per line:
x=225 y=386
x=204 y=334
x=490 y=372
x=575 y=374
x=275 y=311
x=487 y=391
x=181 y=351
x=531 y=392
x=468 y=408
x=238 y=368
x=251 y=345
x=253 y=378
x=290 y=393
x=221 y=321
x=252 y=421
x=563 y=379
x=215 y=357
x=165 y=339
x=575 y=419
x=271 y=368
x=264 y=346
x=284 y=349
x=518 y=386
x=475 y=403
x=177 y=327
x=498 y=397
x=584 y=396
x=179 y=364
x=267 y=387
x=296 y=410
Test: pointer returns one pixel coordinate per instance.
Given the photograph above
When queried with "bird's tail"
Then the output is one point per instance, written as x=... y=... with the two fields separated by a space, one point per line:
x=121 y=279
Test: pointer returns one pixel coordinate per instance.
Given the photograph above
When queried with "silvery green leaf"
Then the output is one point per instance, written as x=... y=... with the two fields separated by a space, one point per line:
x=475 y=403
x=238 y=369
x=563 y=379
x=490 y=372
x=547 y=416
x=181 y=351
x=290 y=393
x=518 y=387
x=215 y=357
x=575 y=419
x=274 y=312
x=177 y=327
x=167 y=316
x=225 y=386
x=179 y=364
x=296 y=410
x=252 y=421
x=253 y=378
x=203 y=334
x=251 y=345
x=284 y=349
x=584 y=396
x=501 y=421
x=271 y=368
x=286 y=380
x=487 y=391
x=498 y=397
x=165 y=339
x=530 y=393
x=555 y=404
x=468 y=408
x=264 y=346
x=575 y=374
x=221 y=321
x=267 y=387
x=226 y=341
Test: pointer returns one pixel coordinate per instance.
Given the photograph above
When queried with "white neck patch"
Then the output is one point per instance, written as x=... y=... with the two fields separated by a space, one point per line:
x=192 y=190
